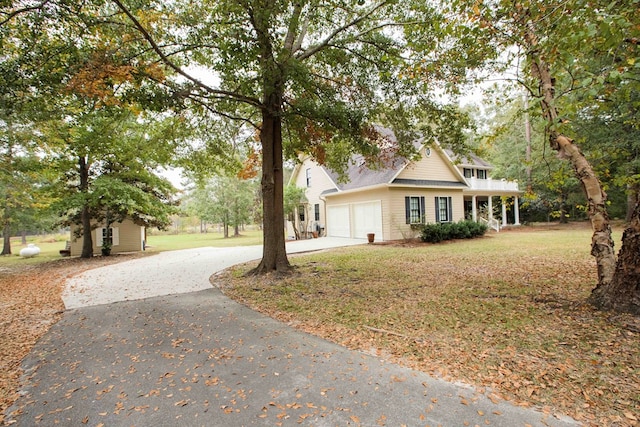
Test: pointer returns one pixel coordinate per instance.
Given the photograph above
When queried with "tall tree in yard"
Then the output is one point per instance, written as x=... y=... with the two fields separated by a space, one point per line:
x=21 y=170
x=105 y=162
x=308 y=75
x=557 y=43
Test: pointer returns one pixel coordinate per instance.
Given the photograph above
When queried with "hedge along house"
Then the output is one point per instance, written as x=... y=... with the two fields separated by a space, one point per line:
x=125 y=236
x=386 y=201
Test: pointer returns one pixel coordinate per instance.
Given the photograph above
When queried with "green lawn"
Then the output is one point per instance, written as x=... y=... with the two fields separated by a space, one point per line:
x=51 y=245
x=171 y=242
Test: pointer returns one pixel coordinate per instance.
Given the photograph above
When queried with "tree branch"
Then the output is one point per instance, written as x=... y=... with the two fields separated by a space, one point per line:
x=327 y=41
x=11 y=15
x=165 y=59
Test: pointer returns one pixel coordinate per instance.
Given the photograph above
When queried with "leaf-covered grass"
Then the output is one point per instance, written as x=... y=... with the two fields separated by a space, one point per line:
x=506 y=312
x=49 y=245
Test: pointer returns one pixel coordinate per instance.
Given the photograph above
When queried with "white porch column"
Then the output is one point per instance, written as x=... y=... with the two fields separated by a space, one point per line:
x=504 y=213
x=490 y=207
x=474 y=208
x=516 y=210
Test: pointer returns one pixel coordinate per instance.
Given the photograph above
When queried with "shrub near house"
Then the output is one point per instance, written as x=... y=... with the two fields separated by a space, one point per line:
x=434 y=233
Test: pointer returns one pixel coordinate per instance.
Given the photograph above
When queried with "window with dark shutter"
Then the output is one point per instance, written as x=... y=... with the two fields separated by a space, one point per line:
x=444 y=209
x=414 y=209
x=407 y=210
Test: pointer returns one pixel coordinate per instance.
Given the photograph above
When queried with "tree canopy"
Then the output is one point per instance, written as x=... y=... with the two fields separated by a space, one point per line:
x=306 y=76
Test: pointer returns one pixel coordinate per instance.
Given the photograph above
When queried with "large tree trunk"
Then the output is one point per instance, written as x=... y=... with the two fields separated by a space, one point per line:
x=623 y=292
x=6 y=234
x=274 y=253
x=602 y=246
x=87 y=242
x=618 y=285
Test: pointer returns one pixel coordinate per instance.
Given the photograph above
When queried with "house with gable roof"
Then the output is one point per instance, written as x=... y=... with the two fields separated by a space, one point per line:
x=438 y=187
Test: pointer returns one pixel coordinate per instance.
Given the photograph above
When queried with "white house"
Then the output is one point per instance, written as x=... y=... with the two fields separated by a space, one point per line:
x=438 y=187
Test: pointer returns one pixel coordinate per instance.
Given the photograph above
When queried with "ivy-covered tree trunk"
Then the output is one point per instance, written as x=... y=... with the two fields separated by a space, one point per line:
x=85 y=215
x=623 y=292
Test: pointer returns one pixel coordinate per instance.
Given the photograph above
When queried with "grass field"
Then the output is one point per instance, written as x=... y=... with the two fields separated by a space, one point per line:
x=50 y=245
x=170 y=242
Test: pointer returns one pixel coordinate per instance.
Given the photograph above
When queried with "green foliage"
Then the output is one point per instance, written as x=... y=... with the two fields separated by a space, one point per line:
x=435 y=233
x=121 y=153
x=293 y=197
x=227 y=200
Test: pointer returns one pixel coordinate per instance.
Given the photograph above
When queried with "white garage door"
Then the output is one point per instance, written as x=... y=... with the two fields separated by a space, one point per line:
x=338 y=221
x=367 y=218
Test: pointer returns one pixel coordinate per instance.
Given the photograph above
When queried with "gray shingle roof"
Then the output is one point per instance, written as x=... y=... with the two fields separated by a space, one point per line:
x=471 y=160
x=359 y=175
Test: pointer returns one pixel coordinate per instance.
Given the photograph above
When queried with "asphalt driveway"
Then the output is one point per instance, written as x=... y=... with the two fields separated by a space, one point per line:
x=150 y=342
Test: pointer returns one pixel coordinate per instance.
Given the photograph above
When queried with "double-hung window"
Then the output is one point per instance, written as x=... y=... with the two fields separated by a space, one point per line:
x=308 y=177
x=482 y=174
x=444 y=210
x=414 y=209
x=109 y=235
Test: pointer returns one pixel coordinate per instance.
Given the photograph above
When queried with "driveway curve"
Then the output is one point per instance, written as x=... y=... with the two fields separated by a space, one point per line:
x=150 y=342
x=172 y=272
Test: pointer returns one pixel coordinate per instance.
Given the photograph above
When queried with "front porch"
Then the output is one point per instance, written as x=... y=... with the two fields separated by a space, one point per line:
x=481 y=207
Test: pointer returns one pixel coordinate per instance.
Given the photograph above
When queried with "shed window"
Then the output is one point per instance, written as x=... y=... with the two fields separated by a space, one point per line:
x=414 y=209
x=111 y=235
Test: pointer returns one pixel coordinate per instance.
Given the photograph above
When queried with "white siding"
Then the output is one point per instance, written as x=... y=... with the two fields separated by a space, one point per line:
x=435 y=167
x=319 y=182
x=127 y=237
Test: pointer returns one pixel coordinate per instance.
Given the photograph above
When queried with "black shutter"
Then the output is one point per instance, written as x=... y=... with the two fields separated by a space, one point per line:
x=407 y=210
x=437 y=200
x=423 y=212
x=450 y=206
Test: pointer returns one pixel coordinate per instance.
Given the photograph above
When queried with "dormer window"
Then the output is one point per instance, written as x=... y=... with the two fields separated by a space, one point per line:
x=468 y=173
x=482 y=174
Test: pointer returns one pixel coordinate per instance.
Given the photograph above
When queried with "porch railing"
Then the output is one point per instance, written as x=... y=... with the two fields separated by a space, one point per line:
x=492 y=184
x=492 y=223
